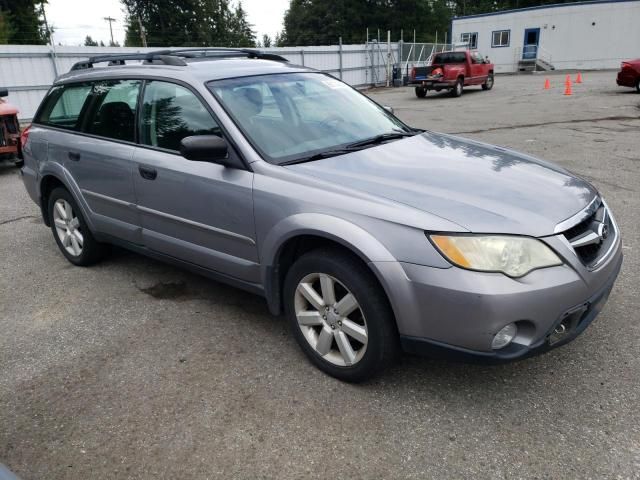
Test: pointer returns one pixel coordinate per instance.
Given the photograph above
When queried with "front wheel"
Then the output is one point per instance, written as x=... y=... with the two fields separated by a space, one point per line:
x=456 y=91
x=488 y=83
x=421 y=92
x=70 y=230
x=340 y=315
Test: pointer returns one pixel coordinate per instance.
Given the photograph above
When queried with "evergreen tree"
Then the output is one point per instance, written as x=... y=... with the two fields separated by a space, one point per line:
x=189 y=23
x=90 y=42
x=5 y=27
x=21 y=23
x=266 y=41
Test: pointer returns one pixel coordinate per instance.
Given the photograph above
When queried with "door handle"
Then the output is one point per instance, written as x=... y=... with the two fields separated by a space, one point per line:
x=147 y=173
x=75 y=156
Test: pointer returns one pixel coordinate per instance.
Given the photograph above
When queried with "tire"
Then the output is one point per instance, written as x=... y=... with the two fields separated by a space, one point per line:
x=488 y=83
x=456 y=91
x=421 y=92
x=638 y=86
x=70 y=230
x=372 y=319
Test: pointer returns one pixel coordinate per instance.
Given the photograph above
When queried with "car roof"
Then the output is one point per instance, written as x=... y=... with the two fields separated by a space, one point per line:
x=195 y=70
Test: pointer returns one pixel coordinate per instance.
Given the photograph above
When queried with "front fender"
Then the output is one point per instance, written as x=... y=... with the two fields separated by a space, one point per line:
x=351 y=236
x=333 y=228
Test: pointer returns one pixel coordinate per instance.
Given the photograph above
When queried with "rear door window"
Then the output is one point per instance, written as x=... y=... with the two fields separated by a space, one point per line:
x=112 y=111
x=170 y=113
x=63 y=106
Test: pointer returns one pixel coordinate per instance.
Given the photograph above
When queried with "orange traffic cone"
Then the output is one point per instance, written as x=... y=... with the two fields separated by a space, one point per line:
x=579 y=78
x=567 y=88
x=567 y=80
x=547 y=84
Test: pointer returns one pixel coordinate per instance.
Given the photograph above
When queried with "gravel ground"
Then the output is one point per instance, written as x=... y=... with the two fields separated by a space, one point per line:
x=134 y=369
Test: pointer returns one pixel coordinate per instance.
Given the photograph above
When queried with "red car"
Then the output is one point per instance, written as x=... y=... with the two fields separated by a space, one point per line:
x=629 y=74
x=453 y=71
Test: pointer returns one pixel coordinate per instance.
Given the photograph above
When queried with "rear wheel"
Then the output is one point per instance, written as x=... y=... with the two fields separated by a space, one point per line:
x=70 y=230
x=421 y=92
x=488 y=83
x=340 y=315
x=456 y=91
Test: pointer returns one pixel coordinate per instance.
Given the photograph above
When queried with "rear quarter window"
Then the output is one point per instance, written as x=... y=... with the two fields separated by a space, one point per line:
x=63 y=106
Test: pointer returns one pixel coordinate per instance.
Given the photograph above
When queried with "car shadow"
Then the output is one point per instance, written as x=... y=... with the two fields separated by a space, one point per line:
x=432 y=95
x=7 y=167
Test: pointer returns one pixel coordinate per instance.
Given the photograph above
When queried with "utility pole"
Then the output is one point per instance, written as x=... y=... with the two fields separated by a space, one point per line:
x=46 y=25
x=50 y=35
x=110 y=20
x=143 y=33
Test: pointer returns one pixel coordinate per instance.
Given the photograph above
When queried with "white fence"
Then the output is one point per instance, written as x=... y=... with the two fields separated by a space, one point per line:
x=28 y=70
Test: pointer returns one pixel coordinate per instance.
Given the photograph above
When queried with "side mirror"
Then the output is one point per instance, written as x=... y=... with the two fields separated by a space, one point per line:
x=205 y=148
x=4 y=92
x=388 y=109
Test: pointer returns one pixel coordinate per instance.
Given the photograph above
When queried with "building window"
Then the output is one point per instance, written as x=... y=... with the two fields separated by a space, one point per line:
x=471 y=39
x=500 y=38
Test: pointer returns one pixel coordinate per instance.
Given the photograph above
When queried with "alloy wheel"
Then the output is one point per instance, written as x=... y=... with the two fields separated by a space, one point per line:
x=67 y=227
x=331 y=319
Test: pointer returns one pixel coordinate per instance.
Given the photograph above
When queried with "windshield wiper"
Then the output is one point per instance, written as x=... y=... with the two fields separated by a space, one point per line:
x=321 y=155
x=383 y=137
x=354 y=147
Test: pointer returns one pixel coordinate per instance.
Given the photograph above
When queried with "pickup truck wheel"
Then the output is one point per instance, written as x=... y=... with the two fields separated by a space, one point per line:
x=421 y=92
x=488 y=83
x=340 y=316
x=456 y=91
x=70 y=231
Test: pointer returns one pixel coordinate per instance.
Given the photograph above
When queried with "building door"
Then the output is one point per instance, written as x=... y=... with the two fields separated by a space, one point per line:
x=531 y=40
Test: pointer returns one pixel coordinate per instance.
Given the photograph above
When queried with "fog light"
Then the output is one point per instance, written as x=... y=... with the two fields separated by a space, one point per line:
x=504 y=337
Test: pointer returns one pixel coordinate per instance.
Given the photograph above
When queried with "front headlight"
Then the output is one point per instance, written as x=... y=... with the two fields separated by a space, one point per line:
x=511 y=255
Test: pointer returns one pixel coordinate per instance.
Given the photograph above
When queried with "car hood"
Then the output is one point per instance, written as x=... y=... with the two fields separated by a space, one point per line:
x=481 y=187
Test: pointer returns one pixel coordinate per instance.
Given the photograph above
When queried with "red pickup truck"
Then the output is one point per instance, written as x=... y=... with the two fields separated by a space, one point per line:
x=453 y=71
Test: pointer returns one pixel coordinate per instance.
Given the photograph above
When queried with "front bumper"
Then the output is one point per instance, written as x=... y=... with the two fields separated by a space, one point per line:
x=624 y=80
x=455 y=313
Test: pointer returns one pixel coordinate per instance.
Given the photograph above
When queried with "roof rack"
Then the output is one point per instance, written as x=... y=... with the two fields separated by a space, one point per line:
x=176 y=57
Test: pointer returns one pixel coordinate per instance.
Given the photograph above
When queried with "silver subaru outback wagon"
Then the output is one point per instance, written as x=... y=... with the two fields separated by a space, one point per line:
x=372 y=237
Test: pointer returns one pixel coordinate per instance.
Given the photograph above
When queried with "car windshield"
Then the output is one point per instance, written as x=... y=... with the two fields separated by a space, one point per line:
x=295 y=116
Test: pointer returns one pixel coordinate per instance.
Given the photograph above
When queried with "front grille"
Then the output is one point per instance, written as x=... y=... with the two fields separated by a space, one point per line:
x=592 y=237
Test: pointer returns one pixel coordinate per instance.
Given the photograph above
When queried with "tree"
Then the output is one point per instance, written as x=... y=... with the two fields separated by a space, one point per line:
x=6 y=29
x=21 y=22
x=189 y=23
x=241 y=33
x=90 y=42
x=266 y=41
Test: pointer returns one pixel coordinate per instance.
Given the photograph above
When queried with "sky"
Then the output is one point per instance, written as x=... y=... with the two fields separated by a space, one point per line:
x=73 y=20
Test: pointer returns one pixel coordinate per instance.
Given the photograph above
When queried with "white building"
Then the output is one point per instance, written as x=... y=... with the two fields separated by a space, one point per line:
x=585 y=35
